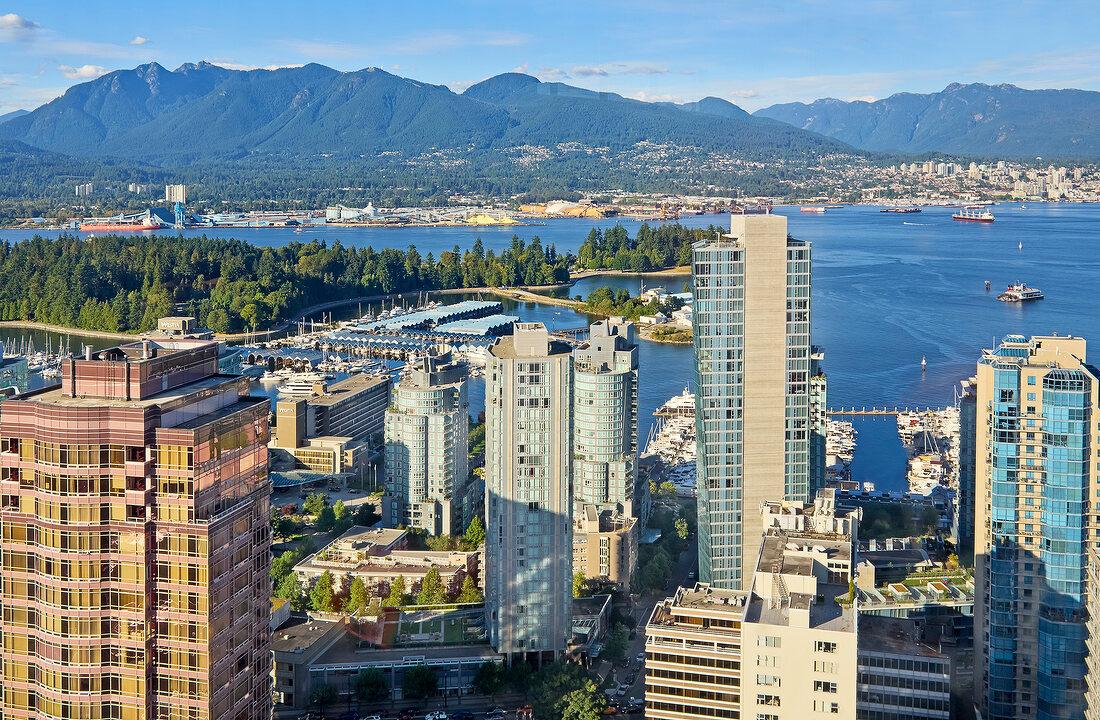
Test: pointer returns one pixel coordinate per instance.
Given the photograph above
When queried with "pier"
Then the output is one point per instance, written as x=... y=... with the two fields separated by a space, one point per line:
x=856 y=412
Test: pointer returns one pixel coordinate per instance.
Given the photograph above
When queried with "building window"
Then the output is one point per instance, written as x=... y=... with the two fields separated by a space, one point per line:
x=825 y=647
x=824 y=686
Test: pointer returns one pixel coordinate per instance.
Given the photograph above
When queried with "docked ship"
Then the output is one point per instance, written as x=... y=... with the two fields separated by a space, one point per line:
x=814 y=209
x=973 y=216
x=303 y=384
x=901 y=210
x=1020 y=292
x=120 y=224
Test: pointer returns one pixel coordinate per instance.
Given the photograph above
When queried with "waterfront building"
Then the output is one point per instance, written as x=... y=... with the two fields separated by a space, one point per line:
x=1035 y=477
x=753 y=416
x=134 y=516
x=427 y=448
x=605 y=420
x=528 y=494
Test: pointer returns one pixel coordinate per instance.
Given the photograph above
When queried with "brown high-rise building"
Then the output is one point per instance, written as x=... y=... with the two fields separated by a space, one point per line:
x=135 y=541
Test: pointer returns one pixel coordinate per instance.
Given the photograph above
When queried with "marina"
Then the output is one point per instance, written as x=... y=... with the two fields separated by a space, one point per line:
x=672 y=441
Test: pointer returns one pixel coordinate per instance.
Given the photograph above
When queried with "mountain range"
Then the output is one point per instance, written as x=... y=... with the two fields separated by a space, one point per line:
x=203 y=111
x=985 y=120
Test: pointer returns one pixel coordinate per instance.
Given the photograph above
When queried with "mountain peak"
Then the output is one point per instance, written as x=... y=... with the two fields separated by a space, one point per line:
x=499 y=87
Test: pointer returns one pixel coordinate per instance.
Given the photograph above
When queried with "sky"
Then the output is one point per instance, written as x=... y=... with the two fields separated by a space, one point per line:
x=753 y=54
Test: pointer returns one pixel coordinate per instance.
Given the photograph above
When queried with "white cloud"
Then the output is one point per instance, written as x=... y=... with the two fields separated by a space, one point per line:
x=742 y=93
x=395 y=68
x=621 y=68
x=84 y=72
x=16 y=27
x=657 y=97
x=139 y=40
x=231 y=64
x=863 y=98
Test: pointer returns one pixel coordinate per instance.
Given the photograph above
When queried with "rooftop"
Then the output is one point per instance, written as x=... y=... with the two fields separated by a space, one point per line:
x=344 y=389
x=52 y=395
x=530 y=340
x=897 y=636
x=299 y=634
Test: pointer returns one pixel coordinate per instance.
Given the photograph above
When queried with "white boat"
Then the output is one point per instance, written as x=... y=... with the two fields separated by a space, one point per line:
x=302 y=384
x=1020 y=292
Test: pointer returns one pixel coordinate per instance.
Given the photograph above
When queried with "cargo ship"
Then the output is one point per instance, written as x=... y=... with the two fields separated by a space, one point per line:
x=817 y=209
x=973 y=216
x=116 y=225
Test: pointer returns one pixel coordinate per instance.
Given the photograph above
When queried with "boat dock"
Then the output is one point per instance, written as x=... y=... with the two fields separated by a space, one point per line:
x=855 y=412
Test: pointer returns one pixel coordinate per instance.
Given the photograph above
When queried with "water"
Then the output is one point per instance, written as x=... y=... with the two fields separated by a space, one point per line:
x=888 y=289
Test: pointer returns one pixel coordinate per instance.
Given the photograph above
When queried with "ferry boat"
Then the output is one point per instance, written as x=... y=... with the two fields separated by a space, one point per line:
x=973 y=216
x=901 y=210
x=1020 y=292
x=815 y=209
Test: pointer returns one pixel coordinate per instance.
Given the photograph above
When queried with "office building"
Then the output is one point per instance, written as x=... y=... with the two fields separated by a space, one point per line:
x=605 y=419
x=901 y=675
x=753 y=415
x=784 y=648
x=427 y=448
x=175 y=194
x=332 y=431
x=134 y=514
x=528 y=494
x=1035 y=477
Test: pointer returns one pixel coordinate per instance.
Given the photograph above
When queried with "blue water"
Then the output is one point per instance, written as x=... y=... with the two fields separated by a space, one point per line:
x=888 y=289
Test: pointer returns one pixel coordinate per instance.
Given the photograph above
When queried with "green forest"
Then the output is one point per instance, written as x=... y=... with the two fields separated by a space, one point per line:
x=653 y=248
x=125 y=283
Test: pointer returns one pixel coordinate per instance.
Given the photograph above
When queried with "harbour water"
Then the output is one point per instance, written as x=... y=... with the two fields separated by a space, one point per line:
x=888 y=289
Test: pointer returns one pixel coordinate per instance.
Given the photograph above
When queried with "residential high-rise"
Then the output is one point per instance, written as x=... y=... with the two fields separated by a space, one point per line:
x=427 y=447
x=529 y=494
x=1035 y=439
x=175 y=193
x=605 y=419
x=134 y=514
x=753 y=410
x=967 y=401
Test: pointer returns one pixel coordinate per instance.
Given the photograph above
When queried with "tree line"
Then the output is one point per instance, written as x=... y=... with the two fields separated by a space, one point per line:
x=652 y=248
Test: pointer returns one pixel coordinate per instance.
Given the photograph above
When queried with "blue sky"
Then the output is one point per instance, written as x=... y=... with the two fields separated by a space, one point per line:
x=754 y=54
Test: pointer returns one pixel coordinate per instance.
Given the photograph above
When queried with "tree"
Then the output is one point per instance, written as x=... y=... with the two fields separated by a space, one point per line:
x=586 y=703
x=340 y=511
x=315 y=503
x=420 y=681
x=580 y=582
x=431 y=589
x=615 y=646
x=290 y=589
x=489 y=679
x=322 y=695
x=397 y=596
x=326 y=519
x=365 y=514
x=475 y=533
x=285 y=527
x=681 y=528
x=322 y=596
x=371 y=685
x=470 y=592
x=357 y=596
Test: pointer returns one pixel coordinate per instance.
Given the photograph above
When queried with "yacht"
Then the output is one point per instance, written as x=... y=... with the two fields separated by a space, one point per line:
x=302 y=384
x=1020 y=292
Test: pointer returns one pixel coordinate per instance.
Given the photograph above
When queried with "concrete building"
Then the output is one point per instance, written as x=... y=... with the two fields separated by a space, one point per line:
x=967 y=400
x=529 y=494
x=605 y=545
x=753 y=387
x=900 y=675
x=1035 y=477
x=332 y=432
x=175 y=193
x=784 y=648
x=605 y=420
x=427 y=448
x=136 y=542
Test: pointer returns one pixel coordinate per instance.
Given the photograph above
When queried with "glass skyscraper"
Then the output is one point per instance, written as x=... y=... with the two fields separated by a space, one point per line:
x=759 y=394
x=1036 y=409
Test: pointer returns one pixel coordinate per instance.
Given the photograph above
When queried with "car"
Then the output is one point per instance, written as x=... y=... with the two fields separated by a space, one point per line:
x=408 y=713
x=633 y=709
x=437 y=715
x=621 y=691
x=462 y=715
x=371 y=717
x=350 y=715
x=497 y=712
x=354 y=491
x=610 y=710
x=691 y=575
x=631 y=678
x=640 y=657
x=310 y=716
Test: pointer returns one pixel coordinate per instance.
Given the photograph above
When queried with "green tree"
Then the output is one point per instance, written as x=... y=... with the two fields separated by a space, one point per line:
x=326 y=519
x=681 y=528
x=290 y=589
x=370 y=685
x=322 y=596
x=397 y=597
x=615 y=646
x=315 y=503
x=580 y=585
x=340 y=511
x=420 y=681
x=285 y=527
x=431 y=589
x=322 y=695
x=366 y=515
x=475 y=533
x=489 y=679
x=470 y=592
x=586 y=703
x=357 y=596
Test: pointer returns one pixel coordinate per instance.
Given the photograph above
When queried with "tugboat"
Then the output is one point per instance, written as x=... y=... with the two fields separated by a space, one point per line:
x=973 y=216
x=1020 y=292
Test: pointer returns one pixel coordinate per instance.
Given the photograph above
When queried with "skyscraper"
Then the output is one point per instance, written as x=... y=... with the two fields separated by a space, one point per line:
x=427 y=447
x=529 y=494
x=753 y=410
x=605 y=419
x=1035 y=476
x=134 y=512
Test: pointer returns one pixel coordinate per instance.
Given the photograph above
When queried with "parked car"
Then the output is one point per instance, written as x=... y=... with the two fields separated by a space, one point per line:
x=462 y=715
x=350 y=715
x=633 y=709
x=610 y=710
x=631 y=678
x=497 y=712
x=371 y=717
x=640 y=657
x=437 y=715
x=691 y=575
x=408 y=713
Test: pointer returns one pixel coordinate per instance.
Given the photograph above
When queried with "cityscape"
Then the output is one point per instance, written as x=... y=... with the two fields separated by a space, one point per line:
x=349 y=380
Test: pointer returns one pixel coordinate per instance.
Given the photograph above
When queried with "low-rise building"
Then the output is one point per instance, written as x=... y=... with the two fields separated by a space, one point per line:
x=900 y=675
x=605 y=545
